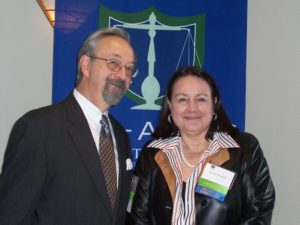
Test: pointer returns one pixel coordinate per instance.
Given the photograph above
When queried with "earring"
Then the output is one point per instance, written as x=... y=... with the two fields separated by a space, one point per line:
x=215 y=116
x=169 y=119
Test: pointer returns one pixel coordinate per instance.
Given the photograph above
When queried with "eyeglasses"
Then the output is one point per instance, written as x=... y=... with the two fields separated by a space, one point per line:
x=115 y=66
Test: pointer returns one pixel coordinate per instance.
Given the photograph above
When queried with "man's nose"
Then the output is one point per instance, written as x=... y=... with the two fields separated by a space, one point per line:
x=122 y=74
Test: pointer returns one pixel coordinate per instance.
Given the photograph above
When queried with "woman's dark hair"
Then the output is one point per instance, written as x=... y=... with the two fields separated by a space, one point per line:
x=220 y=120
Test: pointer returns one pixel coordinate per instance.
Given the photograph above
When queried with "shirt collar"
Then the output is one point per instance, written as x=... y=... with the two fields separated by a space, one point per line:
x=91 y=112
x=220 y=140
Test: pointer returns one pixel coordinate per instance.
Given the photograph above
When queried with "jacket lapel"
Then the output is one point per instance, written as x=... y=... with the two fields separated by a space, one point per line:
x=82 y=137
x=164 y=164
x=219 y=158
x=122 y=155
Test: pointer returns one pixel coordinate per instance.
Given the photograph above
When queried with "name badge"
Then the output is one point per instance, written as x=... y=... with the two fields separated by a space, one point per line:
x=215 y=181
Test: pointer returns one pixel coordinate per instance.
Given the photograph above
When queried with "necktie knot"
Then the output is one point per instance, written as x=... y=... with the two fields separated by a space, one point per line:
x=104 y=126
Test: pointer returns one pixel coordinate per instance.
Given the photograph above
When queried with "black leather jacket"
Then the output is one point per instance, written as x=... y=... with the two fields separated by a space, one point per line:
x=249 y=201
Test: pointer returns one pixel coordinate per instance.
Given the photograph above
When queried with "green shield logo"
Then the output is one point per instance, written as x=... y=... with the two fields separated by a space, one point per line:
x=162 y=43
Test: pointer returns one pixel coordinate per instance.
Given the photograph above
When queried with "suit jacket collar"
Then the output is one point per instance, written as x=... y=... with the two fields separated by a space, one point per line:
x=122 y=149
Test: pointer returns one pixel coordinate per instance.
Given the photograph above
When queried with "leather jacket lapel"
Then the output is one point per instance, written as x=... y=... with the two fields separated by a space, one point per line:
x=219 y=158
x=164 y=164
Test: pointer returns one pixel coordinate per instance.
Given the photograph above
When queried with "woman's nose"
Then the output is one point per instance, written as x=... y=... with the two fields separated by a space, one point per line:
x=191 y=105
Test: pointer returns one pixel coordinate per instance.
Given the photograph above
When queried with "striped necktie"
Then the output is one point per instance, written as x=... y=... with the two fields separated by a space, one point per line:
x=107 y=160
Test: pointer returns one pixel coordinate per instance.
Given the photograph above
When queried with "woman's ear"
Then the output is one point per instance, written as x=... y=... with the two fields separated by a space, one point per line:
x=216 y=104
x=169 y=104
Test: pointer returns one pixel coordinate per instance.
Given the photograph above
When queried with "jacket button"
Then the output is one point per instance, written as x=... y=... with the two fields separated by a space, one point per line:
x=204 y=202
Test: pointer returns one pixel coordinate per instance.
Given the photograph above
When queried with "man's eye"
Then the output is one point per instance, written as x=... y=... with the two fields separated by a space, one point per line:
x=130 y=68
x=114 y=63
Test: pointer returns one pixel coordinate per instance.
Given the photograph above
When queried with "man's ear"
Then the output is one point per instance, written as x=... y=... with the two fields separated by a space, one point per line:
x=84 y=63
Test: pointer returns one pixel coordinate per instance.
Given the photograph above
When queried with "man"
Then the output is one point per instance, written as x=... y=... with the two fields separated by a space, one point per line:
x=53 y=171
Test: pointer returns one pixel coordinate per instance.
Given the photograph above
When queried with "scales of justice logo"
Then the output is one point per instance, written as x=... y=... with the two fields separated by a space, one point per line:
x=162 y=44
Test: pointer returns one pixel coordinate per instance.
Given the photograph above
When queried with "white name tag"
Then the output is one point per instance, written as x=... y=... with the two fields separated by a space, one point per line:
x=215 y=181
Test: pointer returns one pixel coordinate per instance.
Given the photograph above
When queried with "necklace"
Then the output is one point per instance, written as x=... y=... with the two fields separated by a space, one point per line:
x=183 y=157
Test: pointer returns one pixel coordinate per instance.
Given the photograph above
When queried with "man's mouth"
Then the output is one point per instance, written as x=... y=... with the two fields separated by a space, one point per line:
x=117 y=83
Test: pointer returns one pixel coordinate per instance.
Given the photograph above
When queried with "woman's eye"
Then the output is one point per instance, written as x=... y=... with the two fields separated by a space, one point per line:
x=181 y=100
x=201 y=99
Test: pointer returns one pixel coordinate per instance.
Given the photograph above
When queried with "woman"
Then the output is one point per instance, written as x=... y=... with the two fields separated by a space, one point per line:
x=195 y=138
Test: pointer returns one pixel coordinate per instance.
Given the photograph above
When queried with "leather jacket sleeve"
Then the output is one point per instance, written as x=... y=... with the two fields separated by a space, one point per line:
x=258 y=191
x=143 y=169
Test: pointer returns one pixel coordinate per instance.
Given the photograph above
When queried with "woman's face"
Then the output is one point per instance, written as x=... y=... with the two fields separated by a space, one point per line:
x=191 y=105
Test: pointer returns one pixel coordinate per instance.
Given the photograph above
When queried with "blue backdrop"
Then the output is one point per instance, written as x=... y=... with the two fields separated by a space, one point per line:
x=165 y=35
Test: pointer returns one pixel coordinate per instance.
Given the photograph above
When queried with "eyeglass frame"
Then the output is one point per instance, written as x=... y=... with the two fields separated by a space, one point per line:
x=133 y=71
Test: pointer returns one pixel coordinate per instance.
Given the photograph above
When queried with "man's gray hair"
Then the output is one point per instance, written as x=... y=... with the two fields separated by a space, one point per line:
x=89 y=45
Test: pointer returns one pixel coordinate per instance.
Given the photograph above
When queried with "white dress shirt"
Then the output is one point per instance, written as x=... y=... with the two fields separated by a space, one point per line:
x=93 y=116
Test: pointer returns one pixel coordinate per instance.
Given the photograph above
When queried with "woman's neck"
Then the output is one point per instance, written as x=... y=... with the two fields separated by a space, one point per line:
x=194 y=145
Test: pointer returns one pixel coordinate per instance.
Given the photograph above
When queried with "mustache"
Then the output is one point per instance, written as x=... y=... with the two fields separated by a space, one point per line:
x=116 y=82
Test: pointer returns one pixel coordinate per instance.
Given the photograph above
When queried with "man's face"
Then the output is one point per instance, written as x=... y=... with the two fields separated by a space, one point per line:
x=104 y=83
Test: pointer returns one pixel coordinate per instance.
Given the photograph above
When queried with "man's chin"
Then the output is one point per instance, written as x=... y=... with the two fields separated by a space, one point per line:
x=113 y=93
x=113 y=98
